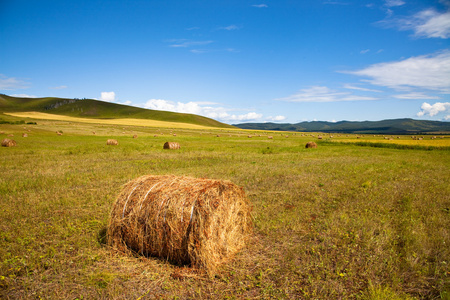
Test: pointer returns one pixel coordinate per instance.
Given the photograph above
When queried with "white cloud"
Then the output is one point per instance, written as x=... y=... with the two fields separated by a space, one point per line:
x=323 y=94
x=108 y=96
x=24 y=96
x=430 y=72
x=352 y=87
x=364 y=51
x=427 y=24
x=276 y=118
x=434 y=109
x=218 y=113
x=61 y=87
x=392 y=3
x=260 y=5
x=184 y=43
x=415 y=95
x=447 y=117
x=11 y=83
x=230 y=27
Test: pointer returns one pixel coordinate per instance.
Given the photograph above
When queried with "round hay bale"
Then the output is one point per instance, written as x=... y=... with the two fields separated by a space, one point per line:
x=270 y=137
x=171 y=145
x=185 y=220
x=24 y=135
x=112 y=142
x=320 y=137
x=135 y=136
x=311 y=145
x=8 y=143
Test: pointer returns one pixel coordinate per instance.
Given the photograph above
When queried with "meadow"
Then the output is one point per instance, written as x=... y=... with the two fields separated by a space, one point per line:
x=342 y=221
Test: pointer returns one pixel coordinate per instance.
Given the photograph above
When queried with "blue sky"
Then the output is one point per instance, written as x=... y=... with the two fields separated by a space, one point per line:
x=235 y=60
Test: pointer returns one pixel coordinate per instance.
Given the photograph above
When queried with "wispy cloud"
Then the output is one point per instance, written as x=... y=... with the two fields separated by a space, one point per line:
x=230 y=27
x=61 y=87
x=260 y=5
x=323 y=94
x=364 y=51
x=201 y=51
x=392 y=3
x=425 y=24
x=206 y=109
x=185 y=43
x=24 y=96
x=357 y=88
x=433 y=109
x=12 y=83
x=431 y=72
x=415 y=95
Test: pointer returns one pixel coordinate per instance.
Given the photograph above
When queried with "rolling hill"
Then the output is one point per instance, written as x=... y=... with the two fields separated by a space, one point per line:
x=95 y=109
x=395 y=126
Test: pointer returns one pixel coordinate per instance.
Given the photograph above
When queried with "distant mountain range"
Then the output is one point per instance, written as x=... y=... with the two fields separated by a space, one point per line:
x=95 y=109
x=395 y=126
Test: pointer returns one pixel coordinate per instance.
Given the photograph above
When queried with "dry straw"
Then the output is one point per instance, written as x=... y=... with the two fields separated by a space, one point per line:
x=171 y=145
x=187 y=221
x=311 y=145
x=112 y=142
x=8 y=143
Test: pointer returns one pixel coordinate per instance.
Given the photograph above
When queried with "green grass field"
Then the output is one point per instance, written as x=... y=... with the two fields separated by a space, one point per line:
x=341 y=221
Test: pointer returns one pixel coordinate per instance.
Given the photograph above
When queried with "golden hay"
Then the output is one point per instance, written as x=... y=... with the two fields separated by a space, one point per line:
x=171 y=145
x=8 y=143
x=135 y=136
x=112 y=142
x=185 y=220
x=24 y=135
x=311 y=145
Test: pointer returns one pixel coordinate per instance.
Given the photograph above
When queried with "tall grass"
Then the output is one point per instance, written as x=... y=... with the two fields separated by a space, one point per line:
x=336 y=222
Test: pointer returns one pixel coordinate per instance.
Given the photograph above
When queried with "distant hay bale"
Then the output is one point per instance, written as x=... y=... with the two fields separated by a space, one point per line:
x=8 y=143
x=112 y=142
x=249 y=136
x=24 y=135
x=155 y=135
x=184 y=220
x=135 y=136
x=319 y=137
x=270 y=137
x=171 y=145
x=10 y=135
x=311 y=145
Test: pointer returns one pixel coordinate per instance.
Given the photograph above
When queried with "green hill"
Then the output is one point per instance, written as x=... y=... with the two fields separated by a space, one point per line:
x=95 y=109
x=395 y=126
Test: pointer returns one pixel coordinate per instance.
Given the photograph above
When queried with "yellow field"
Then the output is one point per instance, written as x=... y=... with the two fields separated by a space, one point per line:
x=405 y=140
x=129 y=122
